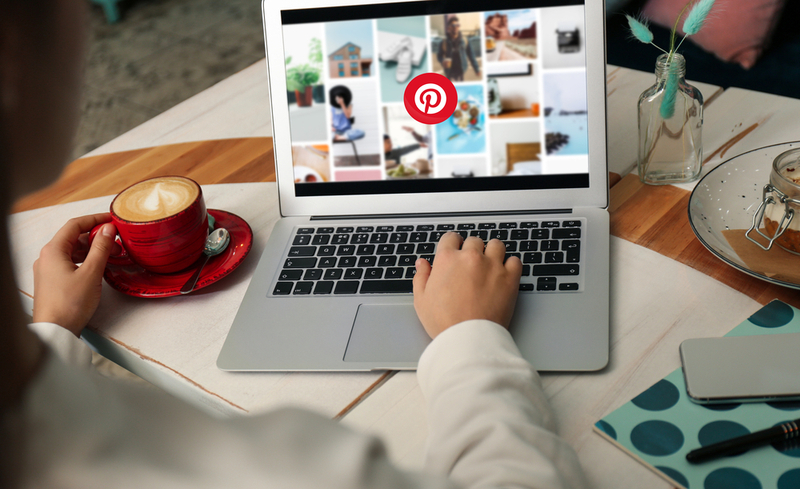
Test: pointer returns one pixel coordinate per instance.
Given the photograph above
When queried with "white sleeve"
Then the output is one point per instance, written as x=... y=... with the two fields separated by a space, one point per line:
x=489 y=423
x=71 y=350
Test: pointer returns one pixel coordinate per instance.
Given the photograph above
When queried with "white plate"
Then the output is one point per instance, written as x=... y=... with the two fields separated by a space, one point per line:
x=727 y=197
x=301 y=173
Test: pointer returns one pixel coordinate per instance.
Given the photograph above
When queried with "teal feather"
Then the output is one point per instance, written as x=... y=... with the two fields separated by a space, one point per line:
x=697 y=17
x=640 y=30
x=667 y=109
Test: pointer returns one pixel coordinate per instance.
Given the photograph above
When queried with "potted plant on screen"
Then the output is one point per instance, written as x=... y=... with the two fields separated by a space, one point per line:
x=301 y=79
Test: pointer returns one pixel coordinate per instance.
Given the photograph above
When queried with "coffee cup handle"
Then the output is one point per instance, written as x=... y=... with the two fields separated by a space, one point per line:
x=122 y=258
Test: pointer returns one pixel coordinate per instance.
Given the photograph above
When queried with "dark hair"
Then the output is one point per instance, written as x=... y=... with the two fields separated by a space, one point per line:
x=340 y=91
x=386 y=136
x=452 y=19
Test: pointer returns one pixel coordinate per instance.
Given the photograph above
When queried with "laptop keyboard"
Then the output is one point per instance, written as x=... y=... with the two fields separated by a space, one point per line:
x=347 y=260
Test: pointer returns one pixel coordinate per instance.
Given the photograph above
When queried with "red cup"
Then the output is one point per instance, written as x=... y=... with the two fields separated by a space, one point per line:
x=164 y=245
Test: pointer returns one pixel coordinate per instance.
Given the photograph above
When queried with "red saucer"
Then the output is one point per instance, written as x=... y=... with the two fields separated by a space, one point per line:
x=131 y=279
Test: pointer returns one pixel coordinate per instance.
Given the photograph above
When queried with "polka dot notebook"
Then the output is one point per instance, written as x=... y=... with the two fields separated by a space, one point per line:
x=661 y=425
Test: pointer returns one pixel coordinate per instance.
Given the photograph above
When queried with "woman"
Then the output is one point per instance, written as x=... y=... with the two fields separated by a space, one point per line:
x=63 y=426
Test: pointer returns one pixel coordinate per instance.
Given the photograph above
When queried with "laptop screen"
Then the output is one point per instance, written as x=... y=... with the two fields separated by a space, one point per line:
x=437 y=96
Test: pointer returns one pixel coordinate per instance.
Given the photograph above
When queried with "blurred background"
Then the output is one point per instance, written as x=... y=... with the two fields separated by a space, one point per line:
x=158 y=54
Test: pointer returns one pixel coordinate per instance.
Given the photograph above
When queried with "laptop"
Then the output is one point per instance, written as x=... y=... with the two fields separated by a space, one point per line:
x=395 y=122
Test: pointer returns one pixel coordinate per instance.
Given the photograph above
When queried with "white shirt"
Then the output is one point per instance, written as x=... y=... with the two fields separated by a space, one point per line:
x=489 y=426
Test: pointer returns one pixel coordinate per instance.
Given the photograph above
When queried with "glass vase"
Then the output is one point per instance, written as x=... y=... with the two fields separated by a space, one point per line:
x=670 y=126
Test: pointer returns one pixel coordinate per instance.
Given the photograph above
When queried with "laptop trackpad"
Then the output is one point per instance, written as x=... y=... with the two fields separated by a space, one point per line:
x=386 y=333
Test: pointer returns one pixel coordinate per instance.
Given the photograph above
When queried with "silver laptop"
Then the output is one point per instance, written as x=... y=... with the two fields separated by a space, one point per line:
x=395 y=122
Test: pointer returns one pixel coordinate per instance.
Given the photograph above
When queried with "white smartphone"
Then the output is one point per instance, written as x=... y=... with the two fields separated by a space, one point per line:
x=742 y=368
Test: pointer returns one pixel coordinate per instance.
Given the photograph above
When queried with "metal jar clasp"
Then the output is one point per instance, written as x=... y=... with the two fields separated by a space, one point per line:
x=788 y=214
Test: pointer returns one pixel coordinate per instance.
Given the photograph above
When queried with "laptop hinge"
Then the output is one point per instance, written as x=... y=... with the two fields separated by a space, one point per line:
x=423 y=215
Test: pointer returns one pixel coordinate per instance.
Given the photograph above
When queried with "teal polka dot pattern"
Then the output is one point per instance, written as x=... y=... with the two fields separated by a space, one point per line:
x=729 y=477
x=607 y=429
x=789 y=479
x=661 y=425
x=657 y=438
x=773 y=315
x=717 y=431
x=662 y=395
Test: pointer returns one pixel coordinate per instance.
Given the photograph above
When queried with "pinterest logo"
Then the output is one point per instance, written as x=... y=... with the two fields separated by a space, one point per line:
x=430 y=98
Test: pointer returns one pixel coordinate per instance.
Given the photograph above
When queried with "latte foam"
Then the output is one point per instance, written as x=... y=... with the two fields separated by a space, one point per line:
x=154 y=199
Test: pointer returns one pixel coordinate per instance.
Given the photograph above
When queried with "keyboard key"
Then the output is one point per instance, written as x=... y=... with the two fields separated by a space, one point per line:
x=346 y=261
x=405 y=249
x=484 y=235
x=323 y=287
x=326 y=250
x=300 y=263
x=305 y=231
x=571 y=224
x=549 y=245
x=283 y=288
x=333 y=274
x=353 y=273
x=540 y=270
x=345 y=250
x=290 y=275
x=346 y=287
x=345 y=229
x=387 y=261
x=566 y=233
x=466 y=226
x=404 y=229
x=428 y=257
x=303 y=288
x=510 y=246
x=359 y=238
x=398 y=237
x=487 y=225
x=410 y=272
x=554 y=257
x=379 y=238
x=385 y=249
x=525 y=287
x=365 y=250
x=529 y=246
x=425 y=227
x=446 y=227
x=321 y=239
x=570 y=244
x=540 y=234
x=500 y=234
x=340 y=239
x=302 y=250
x=509 y=255
x=367 y=261
x=520 y=234
x=551 y=224
x=385 y=229
x=569 y=286
x=418 y=237
x=373 y=273
x=436 y=236
x=394 y=272
x=324 y=230
x=426 y=248
x=573 y=256
x=301 y=239
x=386 y=286
x=365 y=229
x=407 y=260
x=313 y=274
x=508 y=225
x=546 y=283
x=529 y=225
x=327 y=262
x=526 y=270
x=532 y=258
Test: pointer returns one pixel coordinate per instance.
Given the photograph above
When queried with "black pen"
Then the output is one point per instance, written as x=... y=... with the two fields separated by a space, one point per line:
x=785 y=431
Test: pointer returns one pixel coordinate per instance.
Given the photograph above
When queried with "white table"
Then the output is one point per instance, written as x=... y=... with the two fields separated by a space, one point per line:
x=179 y=354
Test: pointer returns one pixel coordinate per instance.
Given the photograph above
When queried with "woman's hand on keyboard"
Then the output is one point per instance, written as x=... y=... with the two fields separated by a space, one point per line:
x=467 y=282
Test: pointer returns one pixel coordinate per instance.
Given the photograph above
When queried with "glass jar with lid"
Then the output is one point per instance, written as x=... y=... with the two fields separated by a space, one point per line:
x=778 y=212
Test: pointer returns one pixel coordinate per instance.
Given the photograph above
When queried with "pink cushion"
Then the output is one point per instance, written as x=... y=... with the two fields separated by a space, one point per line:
x=736 y=31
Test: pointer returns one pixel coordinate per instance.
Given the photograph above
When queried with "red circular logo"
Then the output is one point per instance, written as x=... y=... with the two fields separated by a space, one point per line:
x=430 y=98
